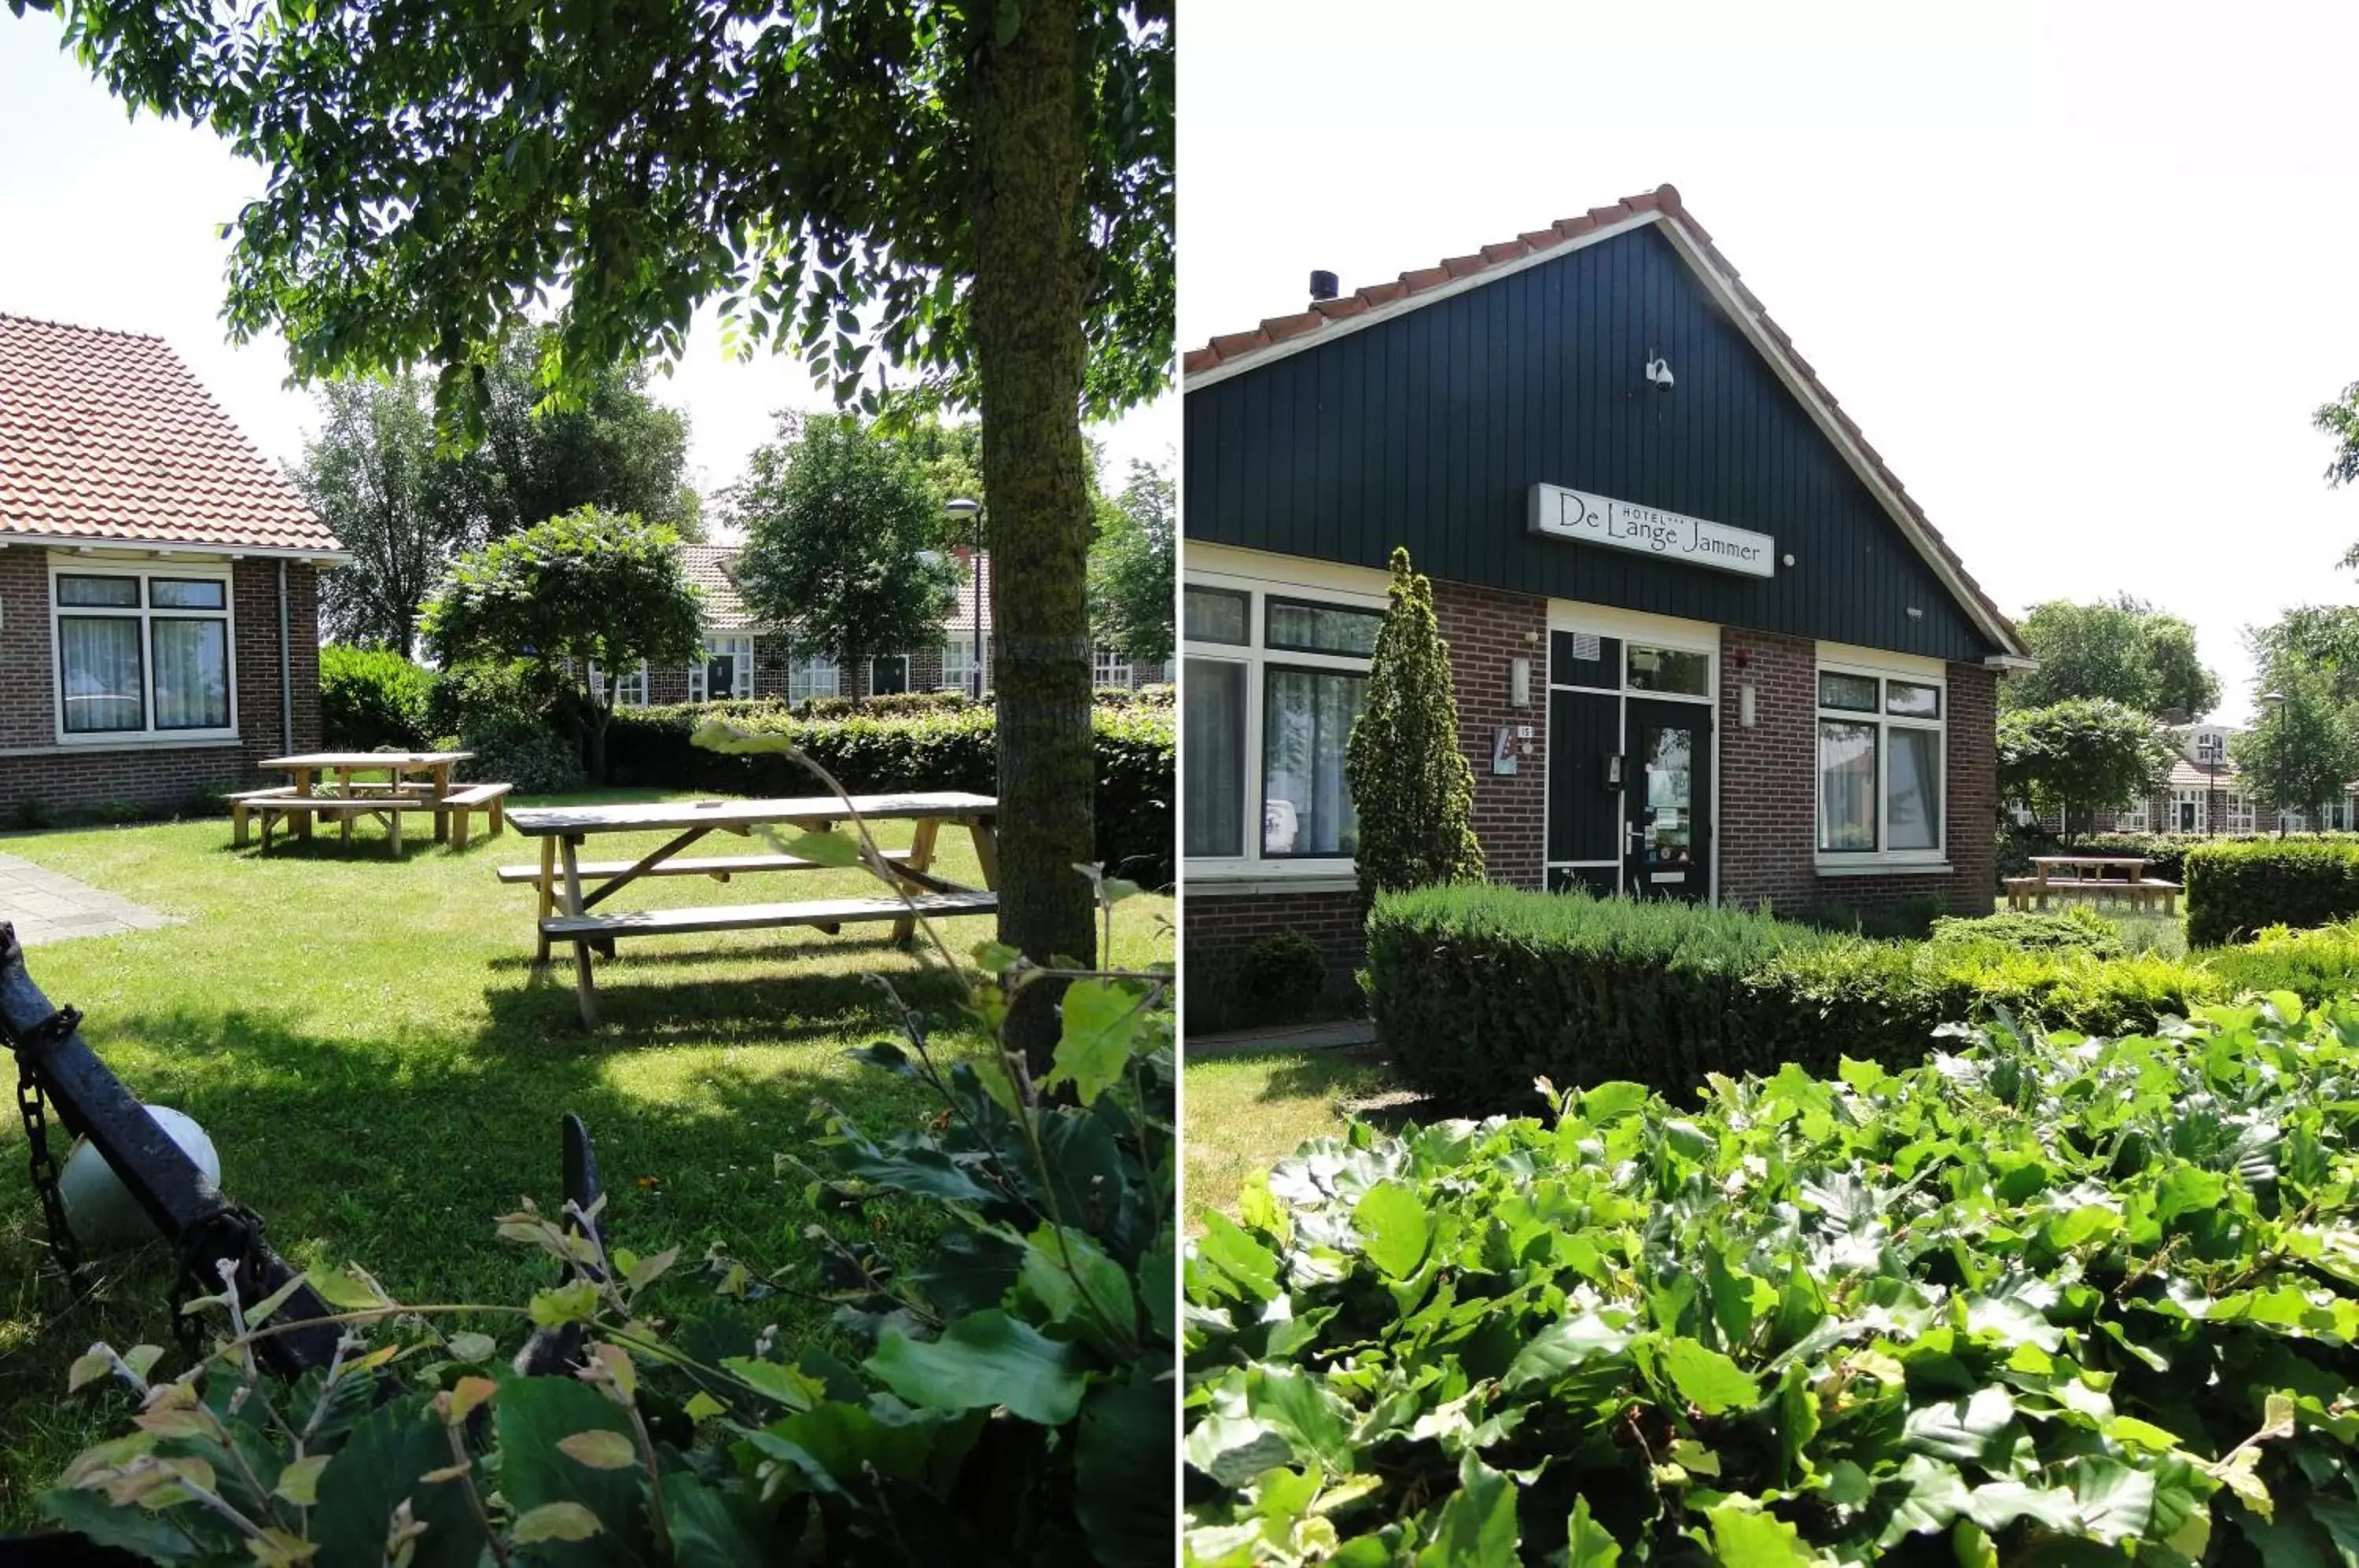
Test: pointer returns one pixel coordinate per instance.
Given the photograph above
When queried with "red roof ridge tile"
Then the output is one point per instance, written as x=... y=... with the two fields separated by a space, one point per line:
x=78 y=327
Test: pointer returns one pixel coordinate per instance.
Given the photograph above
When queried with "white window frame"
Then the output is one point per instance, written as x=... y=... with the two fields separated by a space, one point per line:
x=807 y=670
x=625 y=685
x=736 y=646
x=1108 y=669
x=959 y=665
x=145 y=616
x=2241 y=814
x=1257 y=657
x=1839 y=861
x=2183 y=798
x=2132 y=819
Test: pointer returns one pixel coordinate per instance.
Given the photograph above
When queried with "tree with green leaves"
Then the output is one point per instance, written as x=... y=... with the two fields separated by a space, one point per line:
x=836 y=525
x=978 y=194
x=2081 y=756
x=1132 y=565
x=586 y=591
x=2301 y=754
x=1412 y=789
x=2324 y=637
x=2122 y=650
x=610 y=445
x=373 y=475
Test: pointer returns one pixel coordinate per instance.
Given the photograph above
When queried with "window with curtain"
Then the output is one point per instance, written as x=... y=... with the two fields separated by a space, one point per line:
x=1270 y=691
x=142 y=652
x=1880 y=765
x=808 y=678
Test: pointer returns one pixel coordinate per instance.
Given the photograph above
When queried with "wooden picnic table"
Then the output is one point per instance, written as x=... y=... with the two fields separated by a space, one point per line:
x=567 y=911
x=2090 y=876
x=345 y=791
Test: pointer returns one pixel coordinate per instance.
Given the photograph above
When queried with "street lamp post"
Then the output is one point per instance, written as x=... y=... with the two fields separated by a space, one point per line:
x=2275 y=703
x=963 y=510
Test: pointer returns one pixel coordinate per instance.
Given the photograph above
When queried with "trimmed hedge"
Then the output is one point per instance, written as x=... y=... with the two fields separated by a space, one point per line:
x=953 y=748
x=371 y=698
x=1478 y=990
x=2312 y=964
x=2240 y=887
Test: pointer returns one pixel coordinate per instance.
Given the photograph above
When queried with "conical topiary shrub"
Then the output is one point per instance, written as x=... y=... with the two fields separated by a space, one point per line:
x=1410 y=784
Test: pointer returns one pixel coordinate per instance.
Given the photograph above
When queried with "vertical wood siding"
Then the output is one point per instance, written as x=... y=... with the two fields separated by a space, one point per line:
x=1429 y=430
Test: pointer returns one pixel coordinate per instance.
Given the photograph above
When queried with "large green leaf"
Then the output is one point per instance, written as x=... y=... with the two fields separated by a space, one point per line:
x=1476 y=1526
x=1707 y=1379
x=533 y=1415
x=982 y=1361
x=1123 y=1462
x=1394 y=1231
x=382 y=1463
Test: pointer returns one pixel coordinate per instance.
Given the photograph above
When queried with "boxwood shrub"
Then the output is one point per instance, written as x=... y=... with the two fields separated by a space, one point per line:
x=2039 y=1302
x=955 y=746
x=2237 y=887
x=1477 y=990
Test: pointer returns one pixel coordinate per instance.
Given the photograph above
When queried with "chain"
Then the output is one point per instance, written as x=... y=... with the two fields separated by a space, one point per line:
x=44 y=1163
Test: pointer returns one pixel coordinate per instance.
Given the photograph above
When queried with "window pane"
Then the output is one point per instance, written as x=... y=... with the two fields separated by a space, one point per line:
x=118 y=592
x=1215 y=615
x=1668 y=669
x=1306 y=717
x=1213 y=745
x=1912 y=700
x=187 y=594
x=1914 y=788
x=1323 y=628
x=1856 y=692
x=191 y=675
x=99 y=674
x=1846 y=785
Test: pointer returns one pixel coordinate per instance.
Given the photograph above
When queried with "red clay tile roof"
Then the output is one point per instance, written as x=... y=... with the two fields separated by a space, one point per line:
x=709 y=567
x=106 y=436
x=1236 y=349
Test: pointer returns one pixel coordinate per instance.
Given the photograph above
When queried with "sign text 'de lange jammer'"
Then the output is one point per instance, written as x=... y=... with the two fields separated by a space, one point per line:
x=1560 y=513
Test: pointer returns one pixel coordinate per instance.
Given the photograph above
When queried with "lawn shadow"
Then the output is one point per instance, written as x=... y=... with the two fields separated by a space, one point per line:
x=783 y=1006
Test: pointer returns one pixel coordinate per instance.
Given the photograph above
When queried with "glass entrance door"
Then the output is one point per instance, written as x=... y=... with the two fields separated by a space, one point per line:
x=1667 y=800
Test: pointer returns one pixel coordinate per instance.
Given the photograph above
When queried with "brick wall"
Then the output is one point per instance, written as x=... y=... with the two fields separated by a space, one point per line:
x=156 y=778
x=1218 y=927
x=1768 y=793
x=1486 y=630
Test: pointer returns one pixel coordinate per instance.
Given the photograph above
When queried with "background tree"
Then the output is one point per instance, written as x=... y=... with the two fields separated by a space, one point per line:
x=608 y=444
x=2121 y=650
x=587 y=588
x=984 y=192
x=1132 y=585
x=372 y=477
x=2300 y=754
x=2081 y=756
x=2324 y=637
x=1411 y=787
x=836 y=526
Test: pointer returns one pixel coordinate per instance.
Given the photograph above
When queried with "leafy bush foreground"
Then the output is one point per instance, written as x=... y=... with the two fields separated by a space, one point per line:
x=2048 y=1300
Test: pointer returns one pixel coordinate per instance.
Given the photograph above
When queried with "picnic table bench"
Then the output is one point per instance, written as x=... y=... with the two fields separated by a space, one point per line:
x=297 y=805
x=2087 y=876
x=568 y=912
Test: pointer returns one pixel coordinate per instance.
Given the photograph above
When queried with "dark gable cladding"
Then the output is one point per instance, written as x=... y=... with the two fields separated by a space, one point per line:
x=1429 y=430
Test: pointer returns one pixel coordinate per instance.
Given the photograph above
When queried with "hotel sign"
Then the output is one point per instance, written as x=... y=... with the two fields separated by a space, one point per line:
x=1559 y=513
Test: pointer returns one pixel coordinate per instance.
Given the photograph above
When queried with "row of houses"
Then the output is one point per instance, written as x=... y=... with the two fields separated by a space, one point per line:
x=743 y=658
x=2205 y=793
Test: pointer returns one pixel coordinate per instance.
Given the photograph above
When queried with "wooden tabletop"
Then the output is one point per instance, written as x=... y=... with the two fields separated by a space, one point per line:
x=541 y=822
x=2088 y=860
x=401 y=760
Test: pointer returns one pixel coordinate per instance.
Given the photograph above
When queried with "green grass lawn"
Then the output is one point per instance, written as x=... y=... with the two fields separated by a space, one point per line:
x=1246 y=1110
x=383 y=1070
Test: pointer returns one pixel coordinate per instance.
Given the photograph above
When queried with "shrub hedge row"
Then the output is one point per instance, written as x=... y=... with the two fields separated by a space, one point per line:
x=2165 y=854
x=1478 y=990
x=952 y=748
x=2237 y=887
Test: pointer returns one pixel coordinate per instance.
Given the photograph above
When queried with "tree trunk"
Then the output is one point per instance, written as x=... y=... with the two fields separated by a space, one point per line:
x=1030 y=354
x=598 y=716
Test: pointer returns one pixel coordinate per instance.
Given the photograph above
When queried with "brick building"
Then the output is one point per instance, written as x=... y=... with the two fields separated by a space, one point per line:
x=159 y=581
x=1705 y=645
x=744 y=658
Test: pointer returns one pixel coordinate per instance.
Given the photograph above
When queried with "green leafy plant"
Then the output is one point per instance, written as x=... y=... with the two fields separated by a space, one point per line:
x=371 y=697
x=2079 y=756
x=1281 y=977
x=1014 y=1404
x=1475 y=989
x=2076 y=929
x=1412 y=789
x=2240 y=887
x=2041 y=1301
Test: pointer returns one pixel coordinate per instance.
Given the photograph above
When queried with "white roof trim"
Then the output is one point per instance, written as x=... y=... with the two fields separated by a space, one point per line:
x=1803 y=388
x=83 y=545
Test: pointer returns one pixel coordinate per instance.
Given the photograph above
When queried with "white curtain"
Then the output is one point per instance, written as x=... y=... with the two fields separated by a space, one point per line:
x=1305 y=805
x=191 y=675
x=1212 y=752
x=1916 y=790
x=1846 y=785
x=100 y=657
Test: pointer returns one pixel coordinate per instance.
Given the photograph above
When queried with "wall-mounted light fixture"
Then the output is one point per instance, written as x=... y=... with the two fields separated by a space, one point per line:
x=1519 y=683
x=1746 y=706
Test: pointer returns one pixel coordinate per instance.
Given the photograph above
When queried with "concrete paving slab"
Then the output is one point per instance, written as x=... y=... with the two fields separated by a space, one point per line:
x=47 y=905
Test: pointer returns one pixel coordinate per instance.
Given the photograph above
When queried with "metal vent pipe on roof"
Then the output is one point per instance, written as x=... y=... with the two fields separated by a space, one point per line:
x=1323 y=286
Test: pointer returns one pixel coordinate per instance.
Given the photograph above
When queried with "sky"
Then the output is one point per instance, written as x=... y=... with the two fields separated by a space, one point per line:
x=2081 y=271
x=107 y=222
